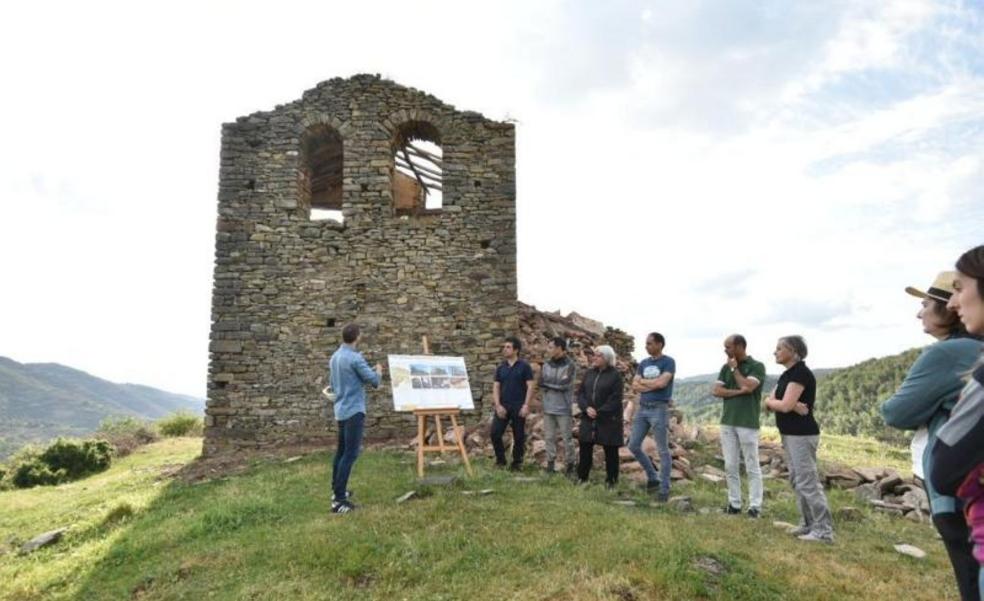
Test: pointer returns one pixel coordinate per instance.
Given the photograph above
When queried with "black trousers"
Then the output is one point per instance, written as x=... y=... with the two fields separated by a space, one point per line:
x=585 y=459
x=956 y=538
x=518 y=431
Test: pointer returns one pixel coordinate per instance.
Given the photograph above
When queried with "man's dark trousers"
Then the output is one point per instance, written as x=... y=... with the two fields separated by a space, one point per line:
x=349 y=444
x=518 y=431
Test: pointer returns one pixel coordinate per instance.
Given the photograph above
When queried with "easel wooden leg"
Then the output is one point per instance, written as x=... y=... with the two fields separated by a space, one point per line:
x=421 y=439
x=459 y=438
x=440 y=433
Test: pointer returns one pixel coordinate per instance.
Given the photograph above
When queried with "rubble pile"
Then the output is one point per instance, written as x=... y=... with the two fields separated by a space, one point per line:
x=538 y=328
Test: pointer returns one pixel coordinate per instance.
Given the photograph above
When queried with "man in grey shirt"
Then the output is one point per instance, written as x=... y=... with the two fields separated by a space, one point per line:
x=557 y=382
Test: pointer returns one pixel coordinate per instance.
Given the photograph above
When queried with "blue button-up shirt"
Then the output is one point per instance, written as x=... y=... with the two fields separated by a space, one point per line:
x=349 y=374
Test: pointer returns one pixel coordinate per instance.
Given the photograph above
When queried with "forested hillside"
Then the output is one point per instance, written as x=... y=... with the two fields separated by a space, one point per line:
x=848 y=399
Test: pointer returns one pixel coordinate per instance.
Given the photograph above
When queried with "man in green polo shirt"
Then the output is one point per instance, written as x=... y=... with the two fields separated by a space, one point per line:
x=739 y=385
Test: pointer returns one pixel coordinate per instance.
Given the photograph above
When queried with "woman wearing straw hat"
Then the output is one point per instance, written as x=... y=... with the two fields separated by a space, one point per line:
x=958 y=455
x=923 y=403
x=600 y=401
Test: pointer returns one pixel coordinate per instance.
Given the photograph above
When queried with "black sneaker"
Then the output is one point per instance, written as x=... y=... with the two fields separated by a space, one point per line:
x=663 y=497
x=515 y=467
x=728 y=509
x=754 y=512
x=500 y=464
x=342 y=507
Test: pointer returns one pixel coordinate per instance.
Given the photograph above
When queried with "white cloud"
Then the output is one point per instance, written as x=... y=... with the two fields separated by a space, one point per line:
x=828 y=155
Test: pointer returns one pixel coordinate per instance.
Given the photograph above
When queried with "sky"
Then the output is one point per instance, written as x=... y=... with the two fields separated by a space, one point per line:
x=695 y=168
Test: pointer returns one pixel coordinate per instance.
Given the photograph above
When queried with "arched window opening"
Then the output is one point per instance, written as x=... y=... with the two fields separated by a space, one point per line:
x=418 y=169
x=321 y=177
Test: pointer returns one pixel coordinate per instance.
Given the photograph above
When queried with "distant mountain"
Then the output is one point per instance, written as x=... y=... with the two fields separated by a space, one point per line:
x=40 y=401
x=847 y=398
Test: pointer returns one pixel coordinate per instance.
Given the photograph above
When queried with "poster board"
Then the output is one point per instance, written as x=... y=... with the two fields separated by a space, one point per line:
x=429 y=382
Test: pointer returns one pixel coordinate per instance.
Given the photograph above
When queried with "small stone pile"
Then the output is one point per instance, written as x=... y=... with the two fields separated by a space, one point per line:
x=885 y=490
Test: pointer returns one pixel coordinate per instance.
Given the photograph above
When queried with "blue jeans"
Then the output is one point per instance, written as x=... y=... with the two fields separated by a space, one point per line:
x=657 y=421
x=349 y=444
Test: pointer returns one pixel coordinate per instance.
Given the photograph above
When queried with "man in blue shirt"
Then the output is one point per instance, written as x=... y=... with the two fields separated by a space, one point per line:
x=654 y=383
x=511 y=394
x=349 y=373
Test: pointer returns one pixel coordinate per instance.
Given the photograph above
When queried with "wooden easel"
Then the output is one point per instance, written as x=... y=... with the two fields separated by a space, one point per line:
x=422 y=447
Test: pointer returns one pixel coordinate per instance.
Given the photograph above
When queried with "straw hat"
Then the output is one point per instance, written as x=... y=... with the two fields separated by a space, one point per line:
x=941 y=290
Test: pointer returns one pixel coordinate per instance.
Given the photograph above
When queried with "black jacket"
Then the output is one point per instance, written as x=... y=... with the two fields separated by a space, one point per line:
x=601 y=389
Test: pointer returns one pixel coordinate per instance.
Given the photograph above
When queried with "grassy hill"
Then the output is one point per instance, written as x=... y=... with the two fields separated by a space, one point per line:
x=266 y=534
x=39 y=401
x=847 y=398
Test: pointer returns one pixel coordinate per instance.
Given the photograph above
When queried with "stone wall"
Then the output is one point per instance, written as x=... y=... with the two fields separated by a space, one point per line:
x=285 y=285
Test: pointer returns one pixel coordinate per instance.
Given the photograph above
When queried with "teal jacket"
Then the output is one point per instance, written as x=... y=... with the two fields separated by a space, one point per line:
x=926 y=397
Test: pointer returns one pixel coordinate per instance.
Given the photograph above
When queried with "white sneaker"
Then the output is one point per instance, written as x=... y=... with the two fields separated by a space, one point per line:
x=799 y=530
x=814 y=538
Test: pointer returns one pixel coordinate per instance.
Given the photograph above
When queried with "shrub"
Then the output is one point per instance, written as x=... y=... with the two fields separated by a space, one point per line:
x=126 y=433
x=63 y=461
x=36 y=473
x=78 y=457
x=182 y=423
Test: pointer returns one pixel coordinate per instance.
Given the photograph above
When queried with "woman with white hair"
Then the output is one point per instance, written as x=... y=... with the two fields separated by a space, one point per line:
x=600 y=401
x=793 y=400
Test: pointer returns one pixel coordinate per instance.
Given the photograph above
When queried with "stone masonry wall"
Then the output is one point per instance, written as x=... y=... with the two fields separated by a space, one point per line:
x=284 y=285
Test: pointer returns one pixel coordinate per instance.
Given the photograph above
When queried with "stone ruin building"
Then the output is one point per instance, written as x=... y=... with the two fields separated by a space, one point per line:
x=364 y=201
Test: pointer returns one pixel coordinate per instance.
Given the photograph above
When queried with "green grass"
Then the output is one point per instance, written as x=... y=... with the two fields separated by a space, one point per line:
x=856 y=451
x=267 y=534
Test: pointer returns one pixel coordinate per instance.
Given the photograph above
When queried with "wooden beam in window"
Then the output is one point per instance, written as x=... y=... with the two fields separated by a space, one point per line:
x=425 y=155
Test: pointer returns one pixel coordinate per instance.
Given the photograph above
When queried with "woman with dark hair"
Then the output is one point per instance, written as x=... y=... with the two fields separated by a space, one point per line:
x=957 y=466
x=793 y=400
x=600 y=401
x=923 y=403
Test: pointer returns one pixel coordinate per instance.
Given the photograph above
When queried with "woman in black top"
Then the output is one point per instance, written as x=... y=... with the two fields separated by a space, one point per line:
x=600 y=401
x=793 y=401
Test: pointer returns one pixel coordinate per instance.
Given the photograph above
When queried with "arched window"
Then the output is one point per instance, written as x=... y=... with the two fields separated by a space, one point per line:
x=418 y=168
x=321 y=176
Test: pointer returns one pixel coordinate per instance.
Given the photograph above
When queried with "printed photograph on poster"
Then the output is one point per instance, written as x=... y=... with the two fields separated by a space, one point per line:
x=429 y=382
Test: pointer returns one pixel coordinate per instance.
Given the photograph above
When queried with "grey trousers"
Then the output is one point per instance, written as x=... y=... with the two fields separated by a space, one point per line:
x=551 y=425
x=801 y=453
x=735 y=443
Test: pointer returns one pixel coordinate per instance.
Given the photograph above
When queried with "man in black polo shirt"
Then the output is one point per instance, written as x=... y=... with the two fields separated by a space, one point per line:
x=511 y=394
